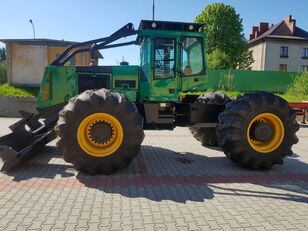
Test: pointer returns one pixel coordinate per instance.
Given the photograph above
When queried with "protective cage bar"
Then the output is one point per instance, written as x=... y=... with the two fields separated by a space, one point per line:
x=96 y=44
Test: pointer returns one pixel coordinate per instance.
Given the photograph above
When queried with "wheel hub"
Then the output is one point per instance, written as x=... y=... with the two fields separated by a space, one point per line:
x=101 y=132
x=263 y=132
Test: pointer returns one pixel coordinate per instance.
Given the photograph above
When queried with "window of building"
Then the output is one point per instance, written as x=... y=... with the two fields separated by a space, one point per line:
x=164 y=58
x=305 y=53
x=283 y=67
x=192 y=56
x=304 y=68
x=284 y=52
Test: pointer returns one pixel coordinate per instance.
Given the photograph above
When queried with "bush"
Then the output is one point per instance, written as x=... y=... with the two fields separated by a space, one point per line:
x=299 y=88
x=3 y=73
x=9 y=90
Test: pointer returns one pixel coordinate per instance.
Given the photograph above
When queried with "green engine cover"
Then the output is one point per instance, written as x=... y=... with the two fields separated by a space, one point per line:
x=59 y=84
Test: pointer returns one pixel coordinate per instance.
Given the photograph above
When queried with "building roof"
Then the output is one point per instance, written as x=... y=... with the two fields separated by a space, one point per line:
x=39 y=42
x=286 y=29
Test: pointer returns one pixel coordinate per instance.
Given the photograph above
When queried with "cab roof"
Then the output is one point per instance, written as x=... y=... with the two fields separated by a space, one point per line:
x=167 y=25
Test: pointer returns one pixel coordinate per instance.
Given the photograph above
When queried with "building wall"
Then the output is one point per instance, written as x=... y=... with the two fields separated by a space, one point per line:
x=54 y=52
x=258 y=52
x=81 y=59
x=26 y=63
x=267 y=55
x=294 y=60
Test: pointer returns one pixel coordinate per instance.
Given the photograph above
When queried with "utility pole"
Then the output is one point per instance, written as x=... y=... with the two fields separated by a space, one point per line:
x=32 y=27
x=153 y=13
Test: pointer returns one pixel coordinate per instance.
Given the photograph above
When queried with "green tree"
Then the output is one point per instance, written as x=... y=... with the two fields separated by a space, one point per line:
x=245 y=59
x=224 y=30
x=2 y=54
x=218 y=59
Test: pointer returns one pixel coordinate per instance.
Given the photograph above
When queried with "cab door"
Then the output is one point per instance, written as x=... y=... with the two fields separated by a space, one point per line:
x=164 y=78
x=192 y=64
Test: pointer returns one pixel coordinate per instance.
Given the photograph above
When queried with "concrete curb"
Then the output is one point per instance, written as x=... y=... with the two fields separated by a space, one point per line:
x=10 y=105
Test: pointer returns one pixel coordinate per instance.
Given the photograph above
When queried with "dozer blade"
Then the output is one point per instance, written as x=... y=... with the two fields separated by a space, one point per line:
x=27 y=138
x=8 y=158
x=14 y=148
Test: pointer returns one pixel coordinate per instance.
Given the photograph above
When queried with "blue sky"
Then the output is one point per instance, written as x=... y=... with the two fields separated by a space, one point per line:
x=77 y=20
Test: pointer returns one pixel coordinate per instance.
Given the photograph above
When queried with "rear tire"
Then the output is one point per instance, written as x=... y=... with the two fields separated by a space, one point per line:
x=257 y=130
x=99 y=131
x=207 y=136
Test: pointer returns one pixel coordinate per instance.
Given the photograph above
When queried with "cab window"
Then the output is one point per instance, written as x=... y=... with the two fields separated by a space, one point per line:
x=164 y=58
x=192 y=56
x=145 y=51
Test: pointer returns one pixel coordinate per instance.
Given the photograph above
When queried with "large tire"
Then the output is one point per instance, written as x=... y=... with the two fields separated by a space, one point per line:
x=257 y=130
x=99 y=131
x=207 y=136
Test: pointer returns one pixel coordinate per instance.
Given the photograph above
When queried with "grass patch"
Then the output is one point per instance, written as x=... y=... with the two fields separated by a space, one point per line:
x=9 y=90
x=291 y=98
x=299 y=88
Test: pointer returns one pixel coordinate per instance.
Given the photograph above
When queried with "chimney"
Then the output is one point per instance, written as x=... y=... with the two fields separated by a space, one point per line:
x=263 y=27
x=254 y=32
x=257 y=31
x=291 y=23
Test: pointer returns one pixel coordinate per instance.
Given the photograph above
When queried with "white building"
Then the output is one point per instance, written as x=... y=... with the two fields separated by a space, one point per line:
x=281 y=47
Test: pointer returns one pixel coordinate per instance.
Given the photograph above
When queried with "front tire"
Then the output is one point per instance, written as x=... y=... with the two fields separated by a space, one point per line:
x=257 y=130
x=99 y=131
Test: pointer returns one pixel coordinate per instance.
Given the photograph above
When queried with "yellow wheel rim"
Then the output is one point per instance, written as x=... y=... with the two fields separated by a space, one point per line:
x=100 y=134
x=277 y=137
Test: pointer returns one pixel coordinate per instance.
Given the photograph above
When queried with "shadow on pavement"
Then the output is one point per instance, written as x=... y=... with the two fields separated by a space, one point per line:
x=42 y=165
x=186 y=176
x=261 y=194
x=162 y=174
x=180 y=193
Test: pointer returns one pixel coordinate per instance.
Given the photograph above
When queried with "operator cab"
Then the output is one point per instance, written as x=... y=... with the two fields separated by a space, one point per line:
x=172 y=58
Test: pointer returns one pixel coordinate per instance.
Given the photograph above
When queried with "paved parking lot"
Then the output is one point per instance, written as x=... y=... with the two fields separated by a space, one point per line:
x=173 y=184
